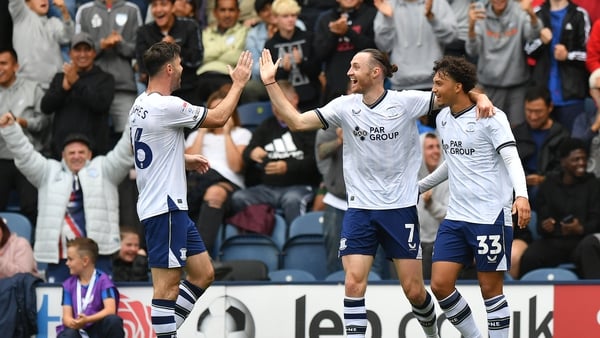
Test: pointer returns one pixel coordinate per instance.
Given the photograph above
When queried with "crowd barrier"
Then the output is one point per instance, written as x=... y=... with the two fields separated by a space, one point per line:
x=308 y=310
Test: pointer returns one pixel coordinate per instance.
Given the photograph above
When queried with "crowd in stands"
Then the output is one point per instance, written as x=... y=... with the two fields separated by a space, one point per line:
x=70 y=71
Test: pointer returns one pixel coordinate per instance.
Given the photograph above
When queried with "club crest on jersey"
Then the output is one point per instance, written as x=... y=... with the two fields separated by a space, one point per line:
x=470 y=127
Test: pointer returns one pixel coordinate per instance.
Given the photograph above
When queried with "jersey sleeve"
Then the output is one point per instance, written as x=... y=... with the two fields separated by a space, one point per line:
x=417 y=103
x=331 y=113
x=182 y=114
x=66 y=298
x=498 y=130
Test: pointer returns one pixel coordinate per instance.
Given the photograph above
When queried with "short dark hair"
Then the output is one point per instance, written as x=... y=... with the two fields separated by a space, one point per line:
x=10 y=51
x=160 y=54
x=459 y=69
x=259 y=5
x=85 y=246
x=538 y=92
x=383 y=60
x=570 y=144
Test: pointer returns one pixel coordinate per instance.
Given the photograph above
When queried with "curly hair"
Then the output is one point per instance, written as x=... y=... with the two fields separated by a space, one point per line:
x=458 y=69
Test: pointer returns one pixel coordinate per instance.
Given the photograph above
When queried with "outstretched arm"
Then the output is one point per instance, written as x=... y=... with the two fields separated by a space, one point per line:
x=294 y=120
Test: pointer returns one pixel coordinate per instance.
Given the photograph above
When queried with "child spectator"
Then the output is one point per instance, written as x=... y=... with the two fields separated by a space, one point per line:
x=90 y=299
x=130 y=264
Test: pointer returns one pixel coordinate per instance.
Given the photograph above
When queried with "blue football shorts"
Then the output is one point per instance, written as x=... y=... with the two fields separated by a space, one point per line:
x=489 y=244
x=171 y=238
x=397 y=230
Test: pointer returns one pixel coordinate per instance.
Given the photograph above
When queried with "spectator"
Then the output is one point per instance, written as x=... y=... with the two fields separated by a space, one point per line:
x=77 y=196
x=33 y=28
x=286 y=162
x=496 y=37
x=94 y=314
x=247 y=16
x=113 y=24
x=209 y=194
x=538 y=139
x=22 y=98
x=80 y=97
x=130 y=263
x=16 y=255
x=560 y=54
x=414 y=33
x=433 y=203
x=339 y=34
x=223 y=43
x=568 y=210
x=298 y=64
x=169 y=28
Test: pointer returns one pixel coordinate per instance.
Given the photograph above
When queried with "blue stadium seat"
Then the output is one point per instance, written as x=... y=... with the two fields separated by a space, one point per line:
x=278 y=236
x=251 y=246
x=253 y=113
x=18 y=224
x=309 y=223
x=306 y=252
x=291 y=275
x=550 y=274
x=340 y=276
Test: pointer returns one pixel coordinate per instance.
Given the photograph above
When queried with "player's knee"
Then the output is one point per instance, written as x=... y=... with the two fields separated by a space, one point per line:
x=355 y=287
x=440 y=289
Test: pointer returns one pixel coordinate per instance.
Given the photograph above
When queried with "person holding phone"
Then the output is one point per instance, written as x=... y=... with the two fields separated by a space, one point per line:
x=568 y=210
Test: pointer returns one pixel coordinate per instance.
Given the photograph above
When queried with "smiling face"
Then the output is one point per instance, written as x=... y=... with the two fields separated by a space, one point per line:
x=175 y=70
x=432 y=152
x=162 y=11
x=83 y=56
x=575 y=163
x=537 y=114
x=76 y=155
x=360 y=73
x=8 y=69
x=445 y=89
x=130 y=245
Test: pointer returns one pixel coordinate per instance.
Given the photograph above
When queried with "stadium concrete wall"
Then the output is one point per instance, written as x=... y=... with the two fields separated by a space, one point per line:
x=266 y=310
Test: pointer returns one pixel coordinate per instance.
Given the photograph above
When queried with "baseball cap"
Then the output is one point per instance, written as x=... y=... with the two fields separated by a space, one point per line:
x=77 y=137
x=82 y=37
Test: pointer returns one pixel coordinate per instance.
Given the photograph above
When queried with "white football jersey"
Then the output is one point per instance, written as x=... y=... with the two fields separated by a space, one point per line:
x=480 y=187
x=382 y=152
x=157 y=123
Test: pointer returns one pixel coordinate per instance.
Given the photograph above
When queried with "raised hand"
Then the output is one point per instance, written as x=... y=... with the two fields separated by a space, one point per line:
x=267 y=68
x=243 y=69
x=384 y=7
